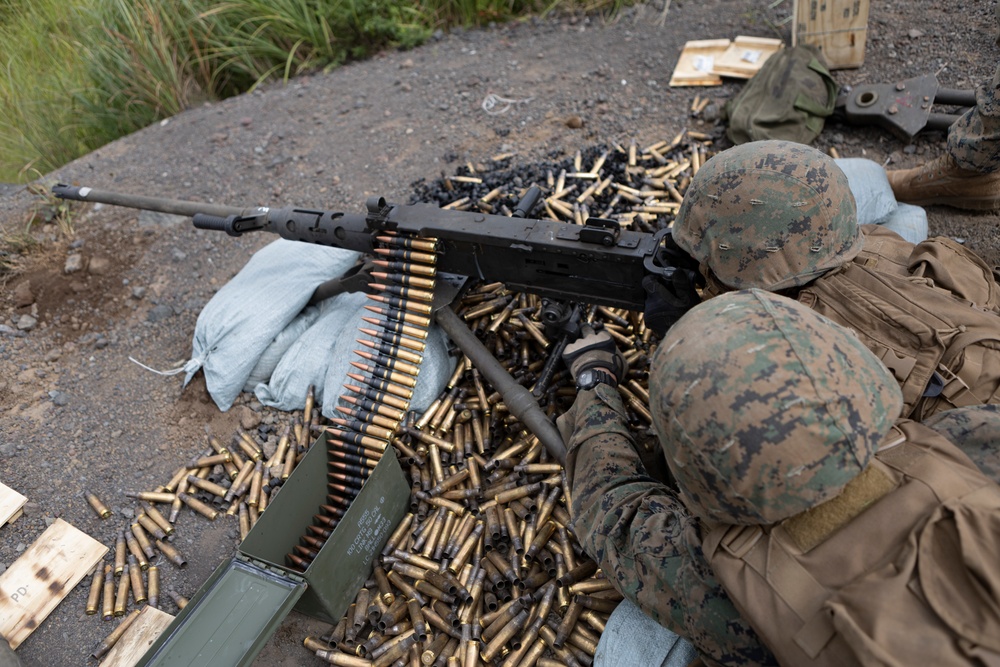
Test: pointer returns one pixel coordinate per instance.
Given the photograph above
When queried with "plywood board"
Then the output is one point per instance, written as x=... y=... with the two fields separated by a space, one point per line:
x=43 y=575
x=745 y=56
x=138 y=638
x=11 y=503
x=839 y=28
x=694 y=67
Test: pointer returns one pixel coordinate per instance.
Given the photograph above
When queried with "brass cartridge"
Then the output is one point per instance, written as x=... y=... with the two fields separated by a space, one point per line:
x=99 y=507
x=121 y=594
x=108 y=599
x=153 y=577
x=171 y=553
x=135 y=585
x=157 y=517
x=109 y=642
x=94 y=597
x=198 y=506
x=178 y=599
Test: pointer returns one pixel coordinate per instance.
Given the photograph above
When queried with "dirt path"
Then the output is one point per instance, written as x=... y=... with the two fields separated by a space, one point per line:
x=77 y=415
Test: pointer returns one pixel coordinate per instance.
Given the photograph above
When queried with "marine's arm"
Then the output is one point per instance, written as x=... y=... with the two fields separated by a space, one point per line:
x=644 y=538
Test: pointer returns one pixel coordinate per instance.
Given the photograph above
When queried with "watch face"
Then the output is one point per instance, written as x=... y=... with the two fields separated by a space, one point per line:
x=587 y=379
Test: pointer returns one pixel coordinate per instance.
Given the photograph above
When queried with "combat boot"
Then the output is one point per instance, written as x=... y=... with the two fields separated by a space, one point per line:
x=942 y=181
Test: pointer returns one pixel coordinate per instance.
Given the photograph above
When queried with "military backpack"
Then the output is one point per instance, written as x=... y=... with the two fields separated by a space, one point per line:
x=899 y=569
x=931 y=316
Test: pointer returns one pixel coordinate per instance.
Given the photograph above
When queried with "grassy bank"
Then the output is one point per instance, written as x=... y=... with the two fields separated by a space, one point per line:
x=76 y=74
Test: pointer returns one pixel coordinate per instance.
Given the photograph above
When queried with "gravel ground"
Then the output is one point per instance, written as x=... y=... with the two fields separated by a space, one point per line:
x=78 y=416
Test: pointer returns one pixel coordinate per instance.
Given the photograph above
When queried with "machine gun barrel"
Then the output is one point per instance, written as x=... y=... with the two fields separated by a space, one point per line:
x=160 y=204
x=597 y=263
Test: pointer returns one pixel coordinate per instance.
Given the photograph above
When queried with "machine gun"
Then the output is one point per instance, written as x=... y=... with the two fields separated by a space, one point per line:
x=595 y=263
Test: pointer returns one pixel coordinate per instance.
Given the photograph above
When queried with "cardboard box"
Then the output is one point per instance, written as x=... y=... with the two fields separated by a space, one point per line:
x=745 y=56
x=694 y=66
x=231 y=617
x=839 y=28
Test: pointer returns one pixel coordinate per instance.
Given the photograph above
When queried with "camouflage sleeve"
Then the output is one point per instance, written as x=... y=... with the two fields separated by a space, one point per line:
x=976 y=431
x=643 y=537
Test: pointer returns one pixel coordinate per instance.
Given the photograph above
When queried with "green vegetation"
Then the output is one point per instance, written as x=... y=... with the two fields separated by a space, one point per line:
x=76 y=74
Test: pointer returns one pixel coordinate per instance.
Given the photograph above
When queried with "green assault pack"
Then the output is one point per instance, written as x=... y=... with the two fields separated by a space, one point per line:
x=789 y=98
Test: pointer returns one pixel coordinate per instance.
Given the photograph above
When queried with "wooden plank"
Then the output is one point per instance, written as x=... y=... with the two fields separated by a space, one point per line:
x=138 y=638
x=745 y=56
x=839 y=28
x=43 y=575
x=694 y=67
x=11 y=503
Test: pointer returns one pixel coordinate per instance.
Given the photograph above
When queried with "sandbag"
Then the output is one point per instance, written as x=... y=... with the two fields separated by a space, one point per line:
x=908 y=221
x=270 y=357
x=876 y=203
x=873 y=195
x=322 y=357
x=246 y=315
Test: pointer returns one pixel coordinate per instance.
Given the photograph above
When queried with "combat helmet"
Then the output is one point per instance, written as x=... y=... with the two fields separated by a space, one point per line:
x=769 y=214
x=765 y=408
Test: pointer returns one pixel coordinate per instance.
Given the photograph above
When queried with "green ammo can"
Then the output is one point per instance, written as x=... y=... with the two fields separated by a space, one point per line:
x=234 y=613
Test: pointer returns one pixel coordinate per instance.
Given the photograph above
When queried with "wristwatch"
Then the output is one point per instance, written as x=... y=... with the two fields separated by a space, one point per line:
x=590 y=378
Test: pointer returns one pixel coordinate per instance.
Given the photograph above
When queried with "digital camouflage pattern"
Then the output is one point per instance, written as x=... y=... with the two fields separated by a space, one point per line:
x=648 y=543
x=643 y=537
x=974 y=139
x=763 y=425
x=769 y=214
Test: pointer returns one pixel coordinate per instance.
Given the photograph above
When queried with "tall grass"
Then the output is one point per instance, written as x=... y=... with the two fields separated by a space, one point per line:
x=39 y=74
x=76 y=74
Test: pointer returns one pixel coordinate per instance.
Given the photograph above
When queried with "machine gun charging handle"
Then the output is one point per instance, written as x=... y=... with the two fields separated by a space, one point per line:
x=213 y=223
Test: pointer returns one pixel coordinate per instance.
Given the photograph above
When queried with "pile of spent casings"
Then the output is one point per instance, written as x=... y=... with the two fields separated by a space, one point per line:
x=484 y=568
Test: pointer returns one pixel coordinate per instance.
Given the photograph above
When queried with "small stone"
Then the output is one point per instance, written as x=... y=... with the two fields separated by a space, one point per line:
x=151 y=221
x=23 y=295
x=53 y=354
x=59 y=398
x=160 y=313
x=178 y=255
x=99 y=266
x=8 y=449
x=138 y=292
x=246 y=121
x=406 y=64
x=74 y=263
x=49 y=520
x=574 y=122
x=249 y=419
x=913 y=33
x=26 y=322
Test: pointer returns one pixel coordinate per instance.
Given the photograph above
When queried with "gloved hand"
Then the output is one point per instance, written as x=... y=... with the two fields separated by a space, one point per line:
x=594 y=349
x=669 y=299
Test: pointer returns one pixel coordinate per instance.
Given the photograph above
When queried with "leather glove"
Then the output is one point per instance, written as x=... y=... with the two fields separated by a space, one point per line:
x=671 y=254
x=594 y=349
x=669 y=299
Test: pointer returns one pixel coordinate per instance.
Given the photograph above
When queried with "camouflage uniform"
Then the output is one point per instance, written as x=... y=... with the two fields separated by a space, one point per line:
x=649 y=540
x=642 y=535
x=974 y=139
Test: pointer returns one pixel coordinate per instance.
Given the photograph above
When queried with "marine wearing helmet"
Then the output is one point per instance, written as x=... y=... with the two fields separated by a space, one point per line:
x=768 y=214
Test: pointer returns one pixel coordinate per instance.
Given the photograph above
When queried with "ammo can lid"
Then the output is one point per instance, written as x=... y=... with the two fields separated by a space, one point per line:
x=229 y=619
